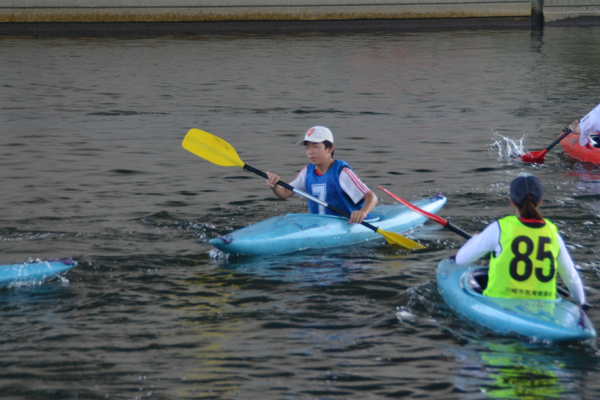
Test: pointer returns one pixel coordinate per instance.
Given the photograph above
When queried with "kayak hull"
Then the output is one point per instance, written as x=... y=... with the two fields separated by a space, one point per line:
x=541 y=320
x=296 y=232
x=33 y=272
x=571 y=147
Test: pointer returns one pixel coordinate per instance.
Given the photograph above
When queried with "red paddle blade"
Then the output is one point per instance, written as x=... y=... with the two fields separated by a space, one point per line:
x=536 y=157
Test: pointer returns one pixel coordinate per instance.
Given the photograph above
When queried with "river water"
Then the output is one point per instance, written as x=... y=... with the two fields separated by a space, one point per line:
x=92 y=168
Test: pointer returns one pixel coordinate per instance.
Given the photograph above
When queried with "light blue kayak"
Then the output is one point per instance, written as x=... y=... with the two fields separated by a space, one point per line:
x=540 y=320
x=295 y=232
x=33 y=272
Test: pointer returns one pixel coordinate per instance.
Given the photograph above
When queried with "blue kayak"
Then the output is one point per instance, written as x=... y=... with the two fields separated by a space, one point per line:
x=295 y=232
x=33 y=272
x=540 y=320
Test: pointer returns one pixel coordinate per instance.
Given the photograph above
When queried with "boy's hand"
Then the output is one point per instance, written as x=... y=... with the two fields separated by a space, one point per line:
x=575 y=127
x=279 y=191
x=357 y=217
x=273 y=179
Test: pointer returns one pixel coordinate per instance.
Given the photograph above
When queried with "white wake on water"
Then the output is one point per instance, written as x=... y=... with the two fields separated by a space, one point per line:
x=215 y=254
x=507 y=147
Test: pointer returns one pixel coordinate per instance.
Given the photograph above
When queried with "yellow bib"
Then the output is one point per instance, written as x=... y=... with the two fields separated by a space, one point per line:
x=526 y=266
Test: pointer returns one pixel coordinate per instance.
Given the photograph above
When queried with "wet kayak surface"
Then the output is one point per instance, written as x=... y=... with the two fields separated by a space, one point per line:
x=550 y=320
x=291 y=233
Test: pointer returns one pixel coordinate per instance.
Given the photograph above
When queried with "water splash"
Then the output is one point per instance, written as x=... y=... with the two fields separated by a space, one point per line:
x=63 y=279
x=215 y=254
x=405 y=315
x=507 y=147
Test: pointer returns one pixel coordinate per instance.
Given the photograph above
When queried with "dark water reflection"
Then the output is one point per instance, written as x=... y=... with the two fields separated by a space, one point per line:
x=92 y=168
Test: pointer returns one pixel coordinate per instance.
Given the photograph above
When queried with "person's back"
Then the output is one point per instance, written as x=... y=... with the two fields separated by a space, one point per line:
x=527 y=250
x=530 y=250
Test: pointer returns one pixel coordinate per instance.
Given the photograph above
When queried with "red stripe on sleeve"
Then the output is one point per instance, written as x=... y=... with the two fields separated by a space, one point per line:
x=356 y=180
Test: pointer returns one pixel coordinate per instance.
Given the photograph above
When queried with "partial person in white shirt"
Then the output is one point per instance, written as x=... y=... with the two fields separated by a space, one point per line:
x=526 y=250
x=587 y=126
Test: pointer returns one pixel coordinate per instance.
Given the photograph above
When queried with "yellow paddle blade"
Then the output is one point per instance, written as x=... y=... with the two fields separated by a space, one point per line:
x=396 y=238
x=211 y=148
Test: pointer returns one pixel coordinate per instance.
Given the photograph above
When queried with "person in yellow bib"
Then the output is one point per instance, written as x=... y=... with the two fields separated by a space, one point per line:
x=526 y=250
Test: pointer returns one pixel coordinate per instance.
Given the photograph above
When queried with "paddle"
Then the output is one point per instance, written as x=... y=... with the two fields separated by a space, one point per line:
x=432 y=217
x=537 y=157
x=446 y=224
x=219 y=152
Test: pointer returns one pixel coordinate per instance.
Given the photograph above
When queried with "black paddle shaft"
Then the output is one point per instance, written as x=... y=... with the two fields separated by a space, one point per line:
x=457 y=230
x=561 y=137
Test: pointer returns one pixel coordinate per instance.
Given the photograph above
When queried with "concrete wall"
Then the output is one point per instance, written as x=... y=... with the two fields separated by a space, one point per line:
x=253 y=10
x=564 y=10
x=221 y=16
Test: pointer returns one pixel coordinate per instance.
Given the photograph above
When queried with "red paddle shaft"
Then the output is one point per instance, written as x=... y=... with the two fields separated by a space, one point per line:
x=432 y=217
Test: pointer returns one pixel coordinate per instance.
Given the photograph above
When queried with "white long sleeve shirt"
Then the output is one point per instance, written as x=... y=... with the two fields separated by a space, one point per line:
x=489 y=240
x=589 y=124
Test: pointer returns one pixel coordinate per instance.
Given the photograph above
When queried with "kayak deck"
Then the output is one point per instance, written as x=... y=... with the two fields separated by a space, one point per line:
x=571 y=147
x=546 y=320
x=33 y=272
x=295 y=232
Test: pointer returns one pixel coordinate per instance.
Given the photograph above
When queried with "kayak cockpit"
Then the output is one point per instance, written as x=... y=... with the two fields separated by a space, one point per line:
x=474 y=281
x=374 y=218
x=477 y=279
x=461 y=286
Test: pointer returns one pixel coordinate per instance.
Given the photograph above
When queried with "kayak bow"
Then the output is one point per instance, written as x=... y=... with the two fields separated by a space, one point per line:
x=33 y=272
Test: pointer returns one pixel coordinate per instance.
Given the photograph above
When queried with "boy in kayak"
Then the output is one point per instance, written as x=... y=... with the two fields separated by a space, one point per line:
x=526 y=250
x=587 y=129
x=329 y=180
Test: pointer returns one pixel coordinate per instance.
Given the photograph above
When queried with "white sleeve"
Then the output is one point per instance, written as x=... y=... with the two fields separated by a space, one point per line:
x=480 y=245
x=352 y=185
x=569 y=274
x=300 y=181
x=589 y=124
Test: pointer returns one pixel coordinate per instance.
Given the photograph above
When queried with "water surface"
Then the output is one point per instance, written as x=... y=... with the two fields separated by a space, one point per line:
x=92 y=168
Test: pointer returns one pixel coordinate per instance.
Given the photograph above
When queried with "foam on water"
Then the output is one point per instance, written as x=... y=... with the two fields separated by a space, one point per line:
x=507 y=147
x=405 y=315
x=215 y=254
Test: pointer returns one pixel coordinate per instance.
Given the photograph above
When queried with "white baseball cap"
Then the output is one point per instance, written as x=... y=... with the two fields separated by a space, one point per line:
x=316 y=134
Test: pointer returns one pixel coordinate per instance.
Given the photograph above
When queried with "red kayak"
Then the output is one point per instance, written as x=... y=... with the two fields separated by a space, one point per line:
x=571 y=147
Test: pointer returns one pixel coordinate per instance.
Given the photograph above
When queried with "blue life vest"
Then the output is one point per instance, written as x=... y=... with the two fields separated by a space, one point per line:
x=327 y=188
